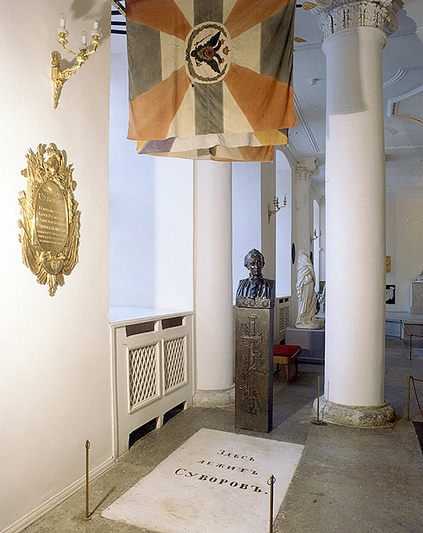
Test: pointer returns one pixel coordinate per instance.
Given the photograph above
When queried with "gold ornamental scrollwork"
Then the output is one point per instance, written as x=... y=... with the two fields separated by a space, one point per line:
x=50 y=220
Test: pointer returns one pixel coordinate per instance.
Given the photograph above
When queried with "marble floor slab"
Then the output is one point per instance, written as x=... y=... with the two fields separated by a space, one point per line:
x=215 y=481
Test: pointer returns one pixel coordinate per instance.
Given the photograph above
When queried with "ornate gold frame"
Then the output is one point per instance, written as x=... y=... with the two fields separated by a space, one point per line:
x=50 y=220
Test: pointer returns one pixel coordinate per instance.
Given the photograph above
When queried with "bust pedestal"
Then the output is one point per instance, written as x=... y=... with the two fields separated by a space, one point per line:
x=254 y=364
x=312 y=342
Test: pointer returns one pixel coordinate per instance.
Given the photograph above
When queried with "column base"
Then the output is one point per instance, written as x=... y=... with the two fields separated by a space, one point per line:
x=355 y=416
x=214 y=398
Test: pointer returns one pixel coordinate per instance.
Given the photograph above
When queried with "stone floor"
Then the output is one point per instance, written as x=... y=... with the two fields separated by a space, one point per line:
x=348 y=480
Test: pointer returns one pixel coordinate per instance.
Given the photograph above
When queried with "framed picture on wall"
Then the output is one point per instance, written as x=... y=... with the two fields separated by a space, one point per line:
x=390 y=294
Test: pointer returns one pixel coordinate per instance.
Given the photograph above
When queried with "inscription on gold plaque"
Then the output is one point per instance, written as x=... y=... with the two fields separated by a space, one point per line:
x=50 y=220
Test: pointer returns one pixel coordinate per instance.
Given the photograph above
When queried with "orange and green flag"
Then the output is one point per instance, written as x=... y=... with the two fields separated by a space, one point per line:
x=210 y=79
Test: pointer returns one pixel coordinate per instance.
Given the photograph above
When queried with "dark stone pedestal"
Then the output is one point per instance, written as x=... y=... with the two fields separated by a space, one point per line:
x=254 y=364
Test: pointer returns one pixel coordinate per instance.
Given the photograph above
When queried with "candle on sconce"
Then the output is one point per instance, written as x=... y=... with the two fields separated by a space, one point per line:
x=96 y=33
x=62 y=27
x=84 y=39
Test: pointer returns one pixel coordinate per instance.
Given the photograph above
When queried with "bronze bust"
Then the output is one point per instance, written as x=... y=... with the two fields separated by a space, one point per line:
x=255 y=286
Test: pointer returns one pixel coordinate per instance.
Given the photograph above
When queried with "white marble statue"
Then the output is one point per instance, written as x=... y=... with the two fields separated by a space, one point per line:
x=322 y=302
x=307 y=300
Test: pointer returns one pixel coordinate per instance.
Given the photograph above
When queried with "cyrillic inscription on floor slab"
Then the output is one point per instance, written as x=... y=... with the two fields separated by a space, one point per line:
x=215 y=482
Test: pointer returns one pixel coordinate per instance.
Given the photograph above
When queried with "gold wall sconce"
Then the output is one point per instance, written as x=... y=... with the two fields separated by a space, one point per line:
x=59 y=76
x=277 y=207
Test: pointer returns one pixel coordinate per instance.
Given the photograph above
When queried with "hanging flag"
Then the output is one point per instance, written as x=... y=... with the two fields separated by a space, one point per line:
x=210 y=78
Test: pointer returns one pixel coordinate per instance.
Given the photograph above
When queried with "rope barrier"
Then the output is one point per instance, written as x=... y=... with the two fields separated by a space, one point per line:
x=413 y=380
x=406 y=330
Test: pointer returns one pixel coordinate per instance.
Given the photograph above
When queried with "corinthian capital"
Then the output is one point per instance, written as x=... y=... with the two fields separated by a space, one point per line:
x=305 y=169
x=337 y=15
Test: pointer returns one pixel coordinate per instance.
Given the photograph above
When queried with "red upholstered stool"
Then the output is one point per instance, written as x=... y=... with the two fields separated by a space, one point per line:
x=286 y=354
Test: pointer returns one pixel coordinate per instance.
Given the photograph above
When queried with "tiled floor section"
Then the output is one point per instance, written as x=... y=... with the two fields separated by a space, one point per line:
x=348 y=480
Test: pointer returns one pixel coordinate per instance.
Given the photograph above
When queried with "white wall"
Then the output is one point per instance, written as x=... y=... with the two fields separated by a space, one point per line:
x=268 y=230
x=151 y=216
x=404 y=230
x=283 y=226
x=246 y=215
x=55 y=366
x=253 y=188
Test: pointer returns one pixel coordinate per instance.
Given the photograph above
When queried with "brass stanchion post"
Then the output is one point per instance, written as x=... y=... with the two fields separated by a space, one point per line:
x=87 y=474
x=271 y=481
x=409 y=393
x=318 y=422
x=411 y=344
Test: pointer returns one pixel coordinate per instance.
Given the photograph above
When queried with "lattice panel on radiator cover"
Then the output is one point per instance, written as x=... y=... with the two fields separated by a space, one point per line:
x=142 y=375
x=174 y=362
x=283 y=318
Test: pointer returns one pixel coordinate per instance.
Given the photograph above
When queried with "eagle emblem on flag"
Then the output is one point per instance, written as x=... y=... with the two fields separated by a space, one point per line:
x=210 y=79
x=208 y=53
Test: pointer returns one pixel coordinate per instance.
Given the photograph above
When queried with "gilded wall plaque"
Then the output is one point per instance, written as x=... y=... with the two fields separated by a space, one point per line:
x=50 y=219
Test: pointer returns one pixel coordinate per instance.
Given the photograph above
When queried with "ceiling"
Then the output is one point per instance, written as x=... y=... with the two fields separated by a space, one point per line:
x=403 y=95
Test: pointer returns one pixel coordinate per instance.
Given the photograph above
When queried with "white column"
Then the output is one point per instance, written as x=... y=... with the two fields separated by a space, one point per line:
x=304 y=170
x=213 y=294
x=355 y=216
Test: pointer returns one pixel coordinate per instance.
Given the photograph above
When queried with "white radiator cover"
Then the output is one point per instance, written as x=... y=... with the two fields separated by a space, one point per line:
x=281 y=318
